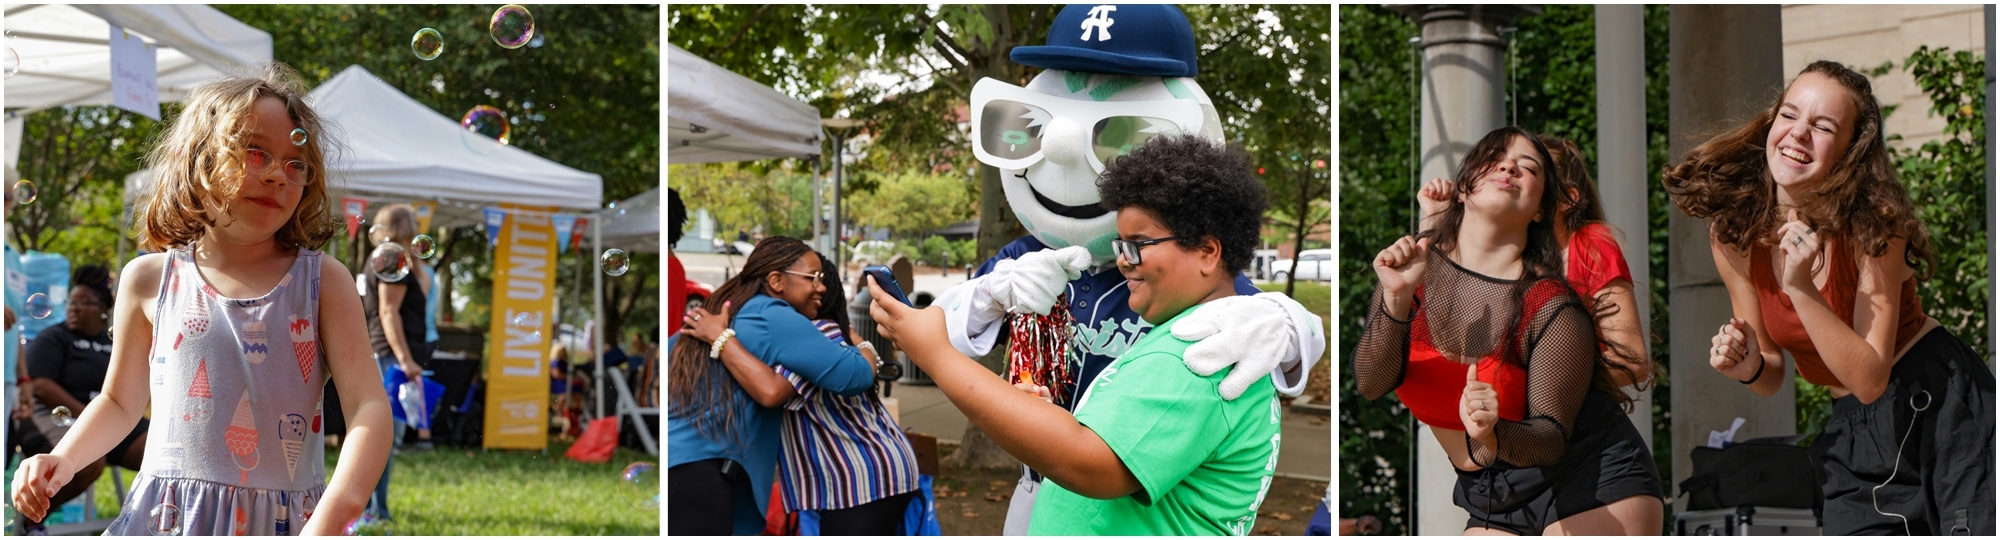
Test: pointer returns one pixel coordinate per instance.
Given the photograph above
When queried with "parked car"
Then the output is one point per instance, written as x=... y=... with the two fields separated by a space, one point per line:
x=1312 y=265
x=697 y=293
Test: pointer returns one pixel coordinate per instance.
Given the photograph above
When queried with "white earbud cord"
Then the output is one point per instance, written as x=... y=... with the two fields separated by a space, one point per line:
x=1874 y=493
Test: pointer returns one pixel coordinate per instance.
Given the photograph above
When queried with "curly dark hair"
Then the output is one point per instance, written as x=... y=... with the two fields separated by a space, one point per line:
x=676 y=217
x=1861 y=201
x=1198 y=188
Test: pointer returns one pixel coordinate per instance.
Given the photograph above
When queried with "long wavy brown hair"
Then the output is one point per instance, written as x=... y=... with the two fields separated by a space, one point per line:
x=1860 y=202
x=199 y=165
x=699 y=388
x=1586 y=208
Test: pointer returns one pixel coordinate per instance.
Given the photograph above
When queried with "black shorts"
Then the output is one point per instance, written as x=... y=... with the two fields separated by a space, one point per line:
x=1606 y=461
x=1927 y=443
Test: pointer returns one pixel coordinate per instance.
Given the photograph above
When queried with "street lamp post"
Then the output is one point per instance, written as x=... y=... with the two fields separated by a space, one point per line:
x=839 y=127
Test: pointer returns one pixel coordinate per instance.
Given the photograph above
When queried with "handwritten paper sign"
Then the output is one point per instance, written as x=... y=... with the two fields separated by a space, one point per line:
x=135 y=74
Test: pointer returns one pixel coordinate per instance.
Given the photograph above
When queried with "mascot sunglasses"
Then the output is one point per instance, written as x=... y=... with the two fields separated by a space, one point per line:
x=1009 y=123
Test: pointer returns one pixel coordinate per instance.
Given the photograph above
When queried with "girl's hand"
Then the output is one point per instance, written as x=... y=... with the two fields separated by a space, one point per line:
x=1801 y=247
x=914 y=330
x=39 y=478
x=1431 y=198
x=704 y=325
x=1478 y=406
x=1037 y=391
x=1733 y=351
x=1401 y=266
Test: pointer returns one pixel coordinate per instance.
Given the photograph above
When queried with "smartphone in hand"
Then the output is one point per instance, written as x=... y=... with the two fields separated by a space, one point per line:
x=888 y=282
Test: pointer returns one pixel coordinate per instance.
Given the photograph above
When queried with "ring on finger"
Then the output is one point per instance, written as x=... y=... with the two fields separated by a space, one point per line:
x=1796 y=240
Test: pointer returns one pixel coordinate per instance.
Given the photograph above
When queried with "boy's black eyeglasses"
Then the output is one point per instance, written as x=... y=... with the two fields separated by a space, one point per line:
x=1130 y=249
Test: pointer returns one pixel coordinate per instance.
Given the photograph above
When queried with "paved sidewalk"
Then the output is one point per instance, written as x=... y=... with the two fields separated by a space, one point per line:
x=1307 y=451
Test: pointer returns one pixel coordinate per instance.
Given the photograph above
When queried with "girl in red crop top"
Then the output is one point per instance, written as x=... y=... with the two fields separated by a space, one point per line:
x=1474 y=329
x=1909 y=448
x=1593 y=262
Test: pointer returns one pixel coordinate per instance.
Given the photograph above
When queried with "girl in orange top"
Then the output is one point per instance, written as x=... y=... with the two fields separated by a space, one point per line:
x=1909 y=449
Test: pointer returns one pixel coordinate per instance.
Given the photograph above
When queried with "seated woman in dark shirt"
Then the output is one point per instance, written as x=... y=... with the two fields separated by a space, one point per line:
x=66 y=368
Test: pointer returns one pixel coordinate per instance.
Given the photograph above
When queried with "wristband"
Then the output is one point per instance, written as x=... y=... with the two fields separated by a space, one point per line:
x=1760 y=372
x=23 y=381
x=715 y=351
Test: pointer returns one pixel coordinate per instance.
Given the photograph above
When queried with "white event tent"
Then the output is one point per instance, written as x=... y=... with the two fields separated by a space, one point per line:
x=65 y=57
x=715 y=115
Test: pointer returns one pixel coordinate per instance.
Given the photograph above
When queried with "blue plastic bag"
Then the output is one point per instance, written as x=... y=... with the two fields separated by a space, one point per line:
x=433 y=391
x=921 y=518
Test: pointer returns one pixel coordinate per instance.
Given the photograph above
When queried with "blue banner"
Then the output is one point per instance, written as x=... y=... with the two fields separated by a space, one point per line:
x=495 y=219
x=564 y=223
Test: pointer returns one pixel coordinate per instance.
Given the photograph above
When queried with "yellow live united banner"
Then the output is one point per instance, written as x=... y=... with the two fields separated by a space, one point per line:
x=524 y=276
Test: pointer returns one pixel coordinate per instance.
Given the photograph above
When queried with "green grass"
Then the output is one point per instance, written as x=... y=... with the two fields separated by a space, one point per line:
x=1315 y=296
x=456 y=492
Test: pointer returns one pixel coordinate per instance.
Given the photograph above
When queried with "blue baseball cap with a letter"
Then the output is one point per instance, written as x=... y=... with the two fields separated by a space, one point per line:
x=1135 y=39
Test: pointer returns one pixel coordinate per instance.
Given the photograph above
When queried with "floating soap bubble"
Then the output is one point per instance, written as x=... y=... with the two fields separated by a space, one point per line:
x=298 y=137
x=39 y=306
x=529 y=323
x=366 y=525
x=166 y=518
x=616 y=262
x=427 y=44
x=24 y=192
x=388 y=262
x=512 y=26
x=13 y=62
x=641 y=484
x=62 y=416
x=423 y=246
x=488 y=121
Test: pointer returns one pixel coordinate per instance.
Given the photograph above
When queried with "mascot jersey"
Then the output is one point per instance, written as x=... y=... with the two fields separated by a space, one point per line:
x=1105 y=324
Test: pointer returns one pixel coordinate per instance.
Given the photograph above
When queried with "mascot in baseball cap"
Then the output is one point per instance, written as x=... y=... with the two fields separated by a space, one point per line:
x=1116 y=76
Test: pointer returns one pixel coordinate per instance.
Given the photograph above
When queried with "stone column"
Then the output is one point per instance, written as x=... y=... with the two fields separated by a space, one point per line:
x=1726 y=63
x=1621 y=159
x=1464 y=86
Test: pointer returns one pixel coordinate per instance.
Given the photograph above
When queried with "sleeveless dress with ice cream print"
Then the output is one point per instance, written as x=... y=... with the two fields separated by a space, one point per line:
x=235 y=447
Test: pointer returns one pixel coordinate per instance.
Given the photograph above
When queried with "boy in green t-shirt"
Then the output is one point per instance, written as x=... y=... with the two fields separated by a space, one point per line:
x=1153 y=447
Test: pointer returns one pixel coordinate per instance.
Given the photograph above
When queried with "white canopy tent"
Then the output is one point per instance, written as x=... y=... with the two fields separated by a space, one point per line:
x=65 y=56
x=635 y=225
x=715 y=115
x=390 y=147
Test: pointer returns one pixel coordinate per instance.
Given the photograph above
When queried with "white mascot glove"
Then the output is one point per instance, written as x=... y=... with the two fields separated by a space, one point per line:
x=1257 y=335
x=1031 y=282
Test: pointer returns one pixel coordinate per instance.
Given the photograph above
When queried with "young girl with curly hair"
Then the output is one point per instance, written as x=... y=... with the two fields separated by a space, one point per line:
x=228 y=333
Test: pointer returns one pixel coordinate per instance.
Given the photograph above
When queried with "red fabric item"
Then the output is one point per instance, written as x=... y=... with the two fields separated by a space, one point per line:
x=778 y=522
x=597 y=442
x=677 y=295
x=1595 y=260
x=1433 y=383
x=1781 y=320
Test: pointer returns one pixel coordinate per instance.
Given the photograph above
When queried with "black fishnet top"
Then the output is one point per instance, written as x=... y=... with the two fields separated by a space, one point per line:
x=1473 y=316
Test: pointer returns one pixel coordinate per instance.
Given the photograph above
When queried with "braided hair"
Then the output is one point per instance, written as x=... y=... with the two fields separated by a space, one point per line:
x=699 y=388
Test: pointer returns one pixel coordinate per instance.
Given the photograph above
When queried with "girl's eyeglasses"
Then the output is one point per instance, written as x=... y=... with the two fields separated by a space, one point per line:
x=815 y=275
x=1130 y=249
x=297 y=172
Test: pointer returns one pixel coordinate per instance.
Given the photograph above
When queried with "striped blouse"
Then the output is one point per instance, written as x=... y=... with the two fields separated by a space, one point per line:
x=841 y=451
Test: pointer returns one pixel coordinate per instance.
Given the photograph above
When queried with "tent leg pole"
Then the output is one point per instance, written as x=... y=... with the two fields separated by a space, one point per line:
x=597 y=308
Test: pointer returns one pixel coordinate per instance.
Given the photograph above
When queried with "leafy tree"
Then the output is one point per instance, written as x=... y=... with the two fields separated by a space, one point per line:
x=742 y=197
x=1947 y=181
x=76 y=159
x=914 y=203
